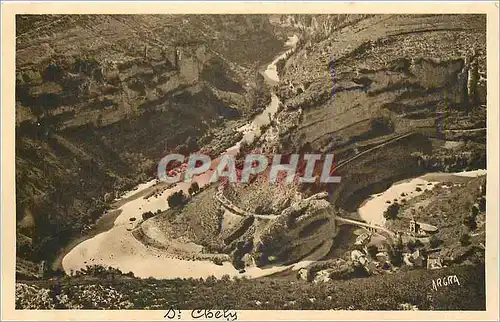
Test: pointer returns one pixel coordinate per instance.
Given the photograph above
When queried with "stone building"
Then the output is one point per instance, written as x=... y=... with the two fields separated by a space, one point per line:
x=414 y=226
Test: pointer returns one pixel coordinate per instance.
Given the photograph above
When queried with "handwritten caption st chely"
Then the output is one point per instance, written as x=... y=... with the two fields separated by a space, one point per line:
x=203 y=314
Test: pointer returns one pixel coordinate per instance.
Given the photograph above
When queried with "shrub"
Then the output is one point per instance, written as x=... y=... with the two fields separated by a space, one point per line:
x=217 y=261
x=382 y=125
x=482 y=204
x=411 y=245
x=177 y=199
x=147 y=215
x=372 y=251
x=465 y=240
x=392 y=211
x=396 y=254
x=434 y=242
x=470 y=222
x=53 y=73
x=194 y=189
x=474 y=211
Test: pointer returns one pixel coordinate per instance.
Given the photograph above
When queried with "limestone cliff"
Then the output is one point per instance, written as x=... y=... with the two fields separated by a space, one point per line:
x=296 y=232
x=355 y=85
x=100 y=98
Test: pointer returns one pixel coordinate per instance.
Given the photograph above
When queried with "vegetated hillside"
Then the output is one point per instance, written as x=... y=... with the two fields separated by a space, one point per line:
x=198 y=221
x=379 y=77
x=100 y=98
x=101 y=288
x=458 y=208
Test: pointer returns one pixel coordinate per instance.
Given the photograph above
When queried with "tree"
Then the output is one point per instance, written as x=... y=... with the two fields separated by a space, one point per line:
x=434 y=242
x=470 y=222
x=264 y=127
x=176 y=199
x=392 y=211
x=411 y=245
x=372 y=251
x=419 y=244
x=382 y=125
x=147 y=215
x=465 y=240
x=211 y=280
x=396 y=253
x=99 y=120
x=191 y=144
x=474 y=211
x=53 y=73
x=482 y=204
x=195 y=188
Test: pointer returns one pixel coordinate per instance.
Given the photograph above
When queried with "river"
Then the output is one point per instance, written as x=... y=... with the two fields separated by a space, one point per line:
x=117 y=247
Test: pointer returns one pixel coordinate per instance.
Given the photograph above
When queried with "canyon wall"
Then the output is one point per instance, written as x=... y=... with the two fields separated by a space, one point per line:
x=101 y=98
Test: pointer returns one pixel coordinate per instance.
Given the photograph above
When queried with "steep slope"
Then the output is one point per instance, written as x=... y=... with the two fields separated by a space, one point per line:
x=101 y=288
x=377 y=78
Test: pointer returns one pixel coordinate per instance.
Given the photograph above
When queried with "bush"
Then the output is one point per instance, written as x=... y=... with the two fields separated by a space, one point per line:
x=474 y=211
x=372 y=251
x=382 y=125
x=177 y=199
x=392 y=211
x=434 y=242
x=147 y=215
x=482 y=204
x=470 y=222
x=194 y=188
x=217 y=261
x=53 y=73
x=465 y=240
x=396 y=254
x=411 y=245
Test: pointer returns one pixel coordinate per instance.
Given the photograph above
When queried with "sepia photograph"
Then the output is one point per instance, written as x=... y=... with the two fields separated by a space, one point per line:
x=203 y=165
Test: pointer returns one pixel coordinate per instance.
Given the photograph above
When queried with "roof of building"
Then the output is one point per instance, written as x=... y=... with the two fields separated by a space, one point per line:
x=427 y=227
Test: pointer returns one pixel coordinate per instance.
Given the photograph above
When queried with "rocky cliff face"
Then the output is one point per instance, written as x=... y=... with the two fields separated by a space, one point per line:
x=295 y=233
x=371 y=78
x=100 y=98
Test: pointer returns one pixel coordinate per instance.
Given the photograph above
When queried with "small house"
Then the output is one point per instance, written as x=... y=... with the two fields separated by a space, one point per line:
x=434 y=261
x=421 y=229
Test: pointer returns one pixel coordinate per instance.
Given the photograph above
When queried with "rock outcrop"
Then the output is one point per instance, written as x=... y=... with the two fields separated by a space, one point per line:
x=296 y=232
x=377 y=77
